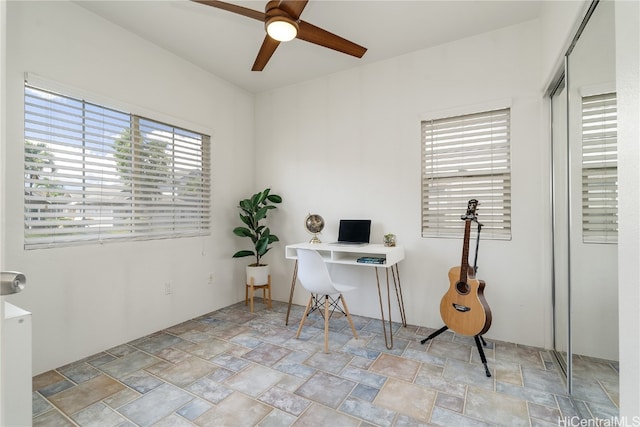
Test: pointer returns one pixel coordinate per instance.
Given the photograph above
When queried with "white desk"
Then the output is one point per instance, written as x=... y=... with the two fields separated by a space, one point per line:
x=348 y=255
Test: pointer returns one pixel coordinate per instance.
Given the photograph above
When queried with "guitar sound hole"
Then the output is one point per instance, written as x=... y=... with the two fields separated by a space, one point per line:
x=462 y=288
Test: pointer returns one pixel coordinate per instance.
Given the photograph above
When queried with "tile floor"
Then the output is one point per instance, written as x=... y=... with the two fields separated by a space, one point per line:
x=236 y=368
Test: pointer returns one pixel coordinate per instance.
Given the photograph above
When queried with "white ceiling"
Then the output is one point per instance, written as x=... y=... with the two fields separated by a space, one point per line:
x=226 y=44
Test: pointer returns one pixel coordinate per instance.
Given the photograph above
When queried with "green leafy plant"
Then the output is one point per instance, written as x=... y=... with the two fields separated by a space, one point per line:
x=253 y=212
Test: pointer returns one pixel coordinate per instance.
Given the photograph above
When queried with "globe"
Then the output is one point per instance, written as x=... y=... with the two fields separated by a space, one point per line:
x=314 y=224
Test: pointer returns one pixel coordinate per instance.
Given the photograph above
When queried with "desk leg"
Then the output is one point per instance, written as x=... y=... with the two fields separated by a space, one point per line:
x=395 y=272
x=293 y=287
x=388 y=340
x=396 y=282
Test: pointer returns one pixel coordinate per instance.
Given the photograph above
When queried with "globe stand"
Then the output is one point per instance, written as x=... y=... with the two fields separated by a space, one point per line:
x=315 y=240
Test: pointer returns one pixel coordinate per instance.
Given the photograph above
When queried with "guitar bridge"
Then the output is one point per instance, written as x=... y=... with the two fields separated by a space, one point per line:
x=461 y=308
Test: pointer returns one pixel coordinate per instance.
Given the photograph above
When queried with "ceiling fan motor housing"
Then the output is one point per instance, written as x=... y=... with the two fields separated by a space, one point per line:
x=274 y=14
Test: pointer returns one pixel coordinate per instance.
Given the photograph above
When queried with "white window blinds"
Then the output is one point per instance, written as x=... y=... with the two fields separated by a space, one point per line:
x=466 y=157
x=94 y=174
x=599 y=169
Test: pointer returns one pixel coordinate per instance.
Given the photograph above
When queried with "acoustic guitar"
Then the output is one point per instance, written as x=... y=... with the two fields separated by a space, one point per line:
x=463 y=308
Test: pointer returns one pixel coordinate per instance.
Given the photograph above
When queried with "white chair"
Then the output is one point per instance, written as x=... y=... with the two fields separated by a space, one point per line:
x=314 y=277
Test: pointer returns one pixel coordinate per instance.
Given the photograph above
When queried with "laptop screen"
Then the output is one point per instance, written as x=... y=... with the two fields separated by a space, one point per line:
x=354 y=230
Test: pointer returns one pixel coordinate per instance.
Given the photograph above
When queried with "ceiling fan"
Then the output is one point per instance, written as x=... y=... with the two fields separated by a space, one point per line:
x=282 y=22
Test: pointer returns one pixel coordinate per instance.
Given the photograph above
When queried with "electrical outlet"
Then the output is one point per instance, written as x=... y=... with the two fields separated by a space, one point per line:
x=211 y=278
x=167 y=288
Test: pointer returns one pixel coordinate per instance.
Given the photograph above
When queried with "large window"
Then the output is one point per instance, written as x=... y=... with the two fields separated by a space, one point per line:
x=95 y=174
x=599 y=169
x=466 y=157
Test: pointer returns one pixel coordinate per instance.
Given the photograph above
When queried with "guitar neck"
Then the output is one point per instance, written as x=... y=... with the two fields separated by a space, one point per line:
x=464 y=264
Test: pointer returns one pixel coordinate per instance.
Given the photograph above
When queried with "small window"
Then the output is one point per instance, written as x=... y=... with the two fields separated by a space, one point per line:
x=599 y=169
x=466 y=157
x=95 y=174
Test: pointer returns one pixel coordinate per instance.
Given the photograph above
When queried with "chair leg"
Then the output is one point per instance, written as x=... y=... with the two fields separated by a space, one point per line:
x=304 y=316
x=252 y=282
x=346 y=310
x=326 y=323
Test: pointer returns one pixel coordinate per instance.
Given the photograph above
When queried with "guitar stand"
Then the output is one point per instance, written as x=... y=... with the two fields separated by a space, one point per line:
x=477 y=339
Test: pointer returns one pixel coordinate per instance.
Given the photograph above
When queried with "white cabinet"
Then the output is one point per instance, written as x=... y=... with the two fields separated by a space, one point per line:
x=15 y=396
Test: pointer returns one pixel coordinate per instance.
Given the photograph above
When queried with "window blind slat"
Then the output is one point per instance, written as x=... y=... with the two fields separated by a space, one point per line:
x=466 y=157
x=97 y=174
x=599 y=169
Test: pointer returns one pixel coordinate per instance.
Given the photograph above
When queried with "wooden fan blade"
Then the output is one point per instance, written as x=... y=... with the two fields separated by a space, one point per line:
x=293 y=7
x=244 y=11
x=316 y=35
x=269 y=46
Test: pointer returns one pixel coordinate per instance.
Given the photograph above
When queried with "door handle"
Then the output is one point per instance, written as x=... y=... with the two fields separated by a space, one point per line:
x=11 y=282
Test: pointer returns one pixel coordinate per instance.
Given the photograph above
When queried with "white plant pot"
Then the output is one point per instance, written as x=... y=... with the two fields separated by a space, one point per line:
x=260 y=274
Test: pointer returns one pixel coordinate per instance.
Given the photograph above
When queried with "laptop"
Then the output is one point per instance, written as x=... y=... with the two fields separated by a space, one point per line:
x=354 y=232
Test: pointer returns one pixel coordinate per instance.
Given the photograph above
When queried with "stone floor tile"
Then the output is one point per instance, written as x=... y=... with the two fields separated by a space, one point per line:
x=52 y=418
x=438 y=383
x=540 y=397
x=277 y=418
x=446 y=418
x=194 y=409
x=142 y=382
x=173 y=420
x=448 y=401
x=496 y=408
x=208 y=349
x=363 y=376
x=365 y=392
x=55 y=388
x=186 y=372
x=524 y=356
x=376 y=415
x=406 y=398
x=297 y=369
x=539 y=379
x=46 y=379
x=128 y=364
x=423 y=356
x=248 y=369
x=396 y=367
x=267 y=354
x=285 y=401
x=332 y=362
x=39 y=405
x=317 y=415
x=89 y=392
x=173 y=355
x=80 y=372
x=121 y=398
x=98 y=415
x=450 y=350
x=544 y=413
x=236 y=410
x=327 y=389
x=468 y=373
x=210 y=390
x=155 y=405
x=254 y=380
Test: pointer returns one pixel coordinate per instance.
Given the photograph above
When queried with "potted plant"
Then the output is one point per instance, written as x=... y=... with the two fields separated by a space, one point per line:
x=253 y=212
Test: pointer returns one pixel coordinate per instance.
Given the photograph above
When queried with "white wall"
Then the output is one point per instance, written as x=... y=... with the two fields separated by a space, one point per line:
x=627 y=17
x=89 y=298
x=348 y=145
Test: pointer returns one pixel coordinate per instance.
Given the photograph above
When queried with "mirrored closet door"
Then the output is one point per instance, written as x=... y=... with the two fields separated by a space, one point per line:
x=584 y=150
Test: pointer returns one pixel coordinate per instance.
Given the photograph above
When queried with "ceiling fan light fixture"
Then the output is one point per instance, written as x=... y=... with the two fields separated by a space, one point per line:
x=282 y=28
